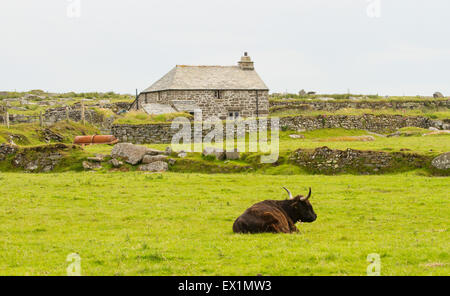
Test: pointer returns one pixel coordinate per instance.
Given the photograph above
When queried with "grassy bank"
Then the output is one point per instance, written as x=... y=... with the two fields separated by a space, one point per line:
x=32 y=134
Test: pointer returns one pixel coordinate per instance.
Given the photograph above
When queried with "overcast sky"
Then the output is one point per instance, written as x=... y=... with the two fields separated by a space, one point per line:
x=389 y=47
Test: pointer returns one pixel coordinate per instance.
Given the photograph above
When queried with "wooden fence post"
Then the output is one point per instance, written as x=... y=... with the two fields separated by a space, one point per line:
x=67 y=114
x=82 y=113
x=41 y=119
x=7 y=118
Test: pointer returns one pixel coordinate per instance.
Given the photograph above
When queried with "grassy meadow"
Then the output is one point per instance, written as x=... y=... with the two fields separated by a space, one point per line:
x=181 y=224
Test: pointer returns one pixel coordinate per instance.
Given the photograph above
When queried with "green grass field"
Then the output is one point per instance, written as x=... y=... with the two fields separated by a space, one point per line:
x=180 y=224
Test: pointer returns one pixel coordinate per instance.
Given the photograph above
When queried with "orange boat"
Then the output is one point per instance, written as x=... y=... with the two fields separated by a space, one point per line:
x=95 y=139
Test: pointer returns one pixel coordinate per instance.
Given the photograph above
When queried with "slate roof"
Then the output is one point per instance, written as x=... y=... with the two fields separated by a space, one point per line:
x=184 y=77
x=155 y=108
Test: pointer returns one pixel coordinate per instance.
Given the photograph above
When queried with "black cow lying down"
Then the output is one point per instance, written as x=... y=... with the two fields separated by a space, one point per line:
x=276 y=215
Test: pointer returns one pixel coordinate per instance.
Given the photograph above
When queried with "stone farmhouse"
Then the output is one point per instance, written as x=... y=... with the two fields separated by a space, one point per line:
x=222 y=91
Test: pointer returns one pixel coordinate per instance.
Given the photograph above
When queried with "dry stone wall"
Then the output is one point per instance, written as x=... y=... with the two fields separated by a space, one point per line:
x=370 y=122
x=59 y=114
x=53 y=115
x=163 y=133
x=324 y=160
x=374 y=105
x=35 y=159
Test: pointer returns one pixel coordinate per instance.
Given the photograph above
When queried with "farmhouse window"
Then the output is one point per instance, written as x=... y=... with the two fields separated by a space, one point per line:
x=233 y=114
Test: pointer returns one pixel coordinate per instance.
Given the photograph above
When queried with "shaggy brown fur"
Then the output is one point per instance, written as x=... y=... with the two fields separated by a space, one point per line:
x=275 y=216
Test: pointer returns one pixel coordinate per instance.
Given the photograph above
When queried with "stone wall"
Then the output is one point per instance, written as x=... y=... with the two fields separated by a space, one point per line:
x=53 y=115
x=162 y=133
x=35 y=159
x=59 y=114
x=375 y=105
x=324 y=160
x=214 y=103
x=370 y=122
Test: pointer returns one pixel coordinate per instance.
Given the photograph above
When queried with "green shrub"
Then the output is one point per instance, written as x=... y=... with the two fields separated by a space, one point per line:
x=210 y=157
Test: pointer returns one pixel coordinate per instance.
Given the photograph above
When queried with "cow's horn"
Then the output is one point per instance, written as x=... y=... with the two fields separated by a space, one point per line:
x=290 y=194
x=307 y=197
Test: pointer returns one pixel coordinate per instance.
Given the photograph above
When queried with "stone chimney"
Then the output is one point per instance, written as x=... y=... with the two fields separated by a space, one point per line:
x=246 y=62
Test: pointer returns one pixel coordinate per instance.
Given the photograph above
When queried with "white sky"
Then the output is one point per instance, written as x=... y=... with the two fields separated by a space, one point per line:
x=329 y=46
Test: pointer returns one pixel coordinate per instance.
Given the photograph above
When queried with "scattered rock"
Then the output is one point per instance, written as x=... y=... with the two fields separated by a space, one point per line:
x=441 y=125
x=157 y=166
x=218 y=153
x=132 y=154
x=297 y=136
x=433 y=129
x=87 y=165
x=168 y=150
x=7 y=149
x=182 y=154
x=97 y=158
x=48 y=135
x=116 y=163
x=233 y=155
x=171 y=161
x=442 y=162
x=438 y=95
x=40 y=158
x=152 y=158
x=18 y=139
x=151 y=151
x=31 y=166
